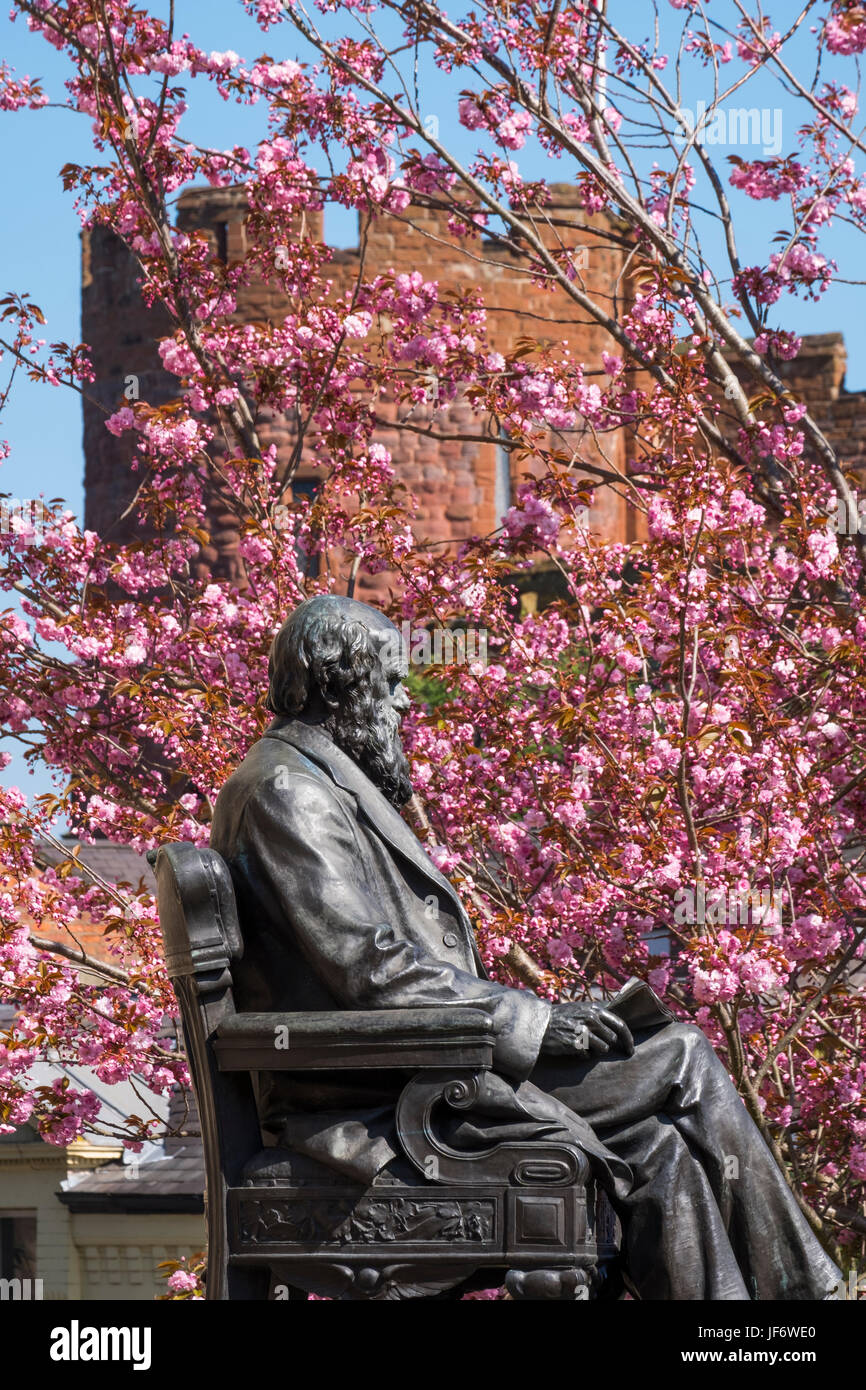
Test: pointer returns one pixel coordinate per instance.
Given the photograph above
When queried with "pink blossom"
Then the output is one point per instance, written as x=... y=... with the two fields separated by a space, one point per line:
x=121 y=420
x=845 y=31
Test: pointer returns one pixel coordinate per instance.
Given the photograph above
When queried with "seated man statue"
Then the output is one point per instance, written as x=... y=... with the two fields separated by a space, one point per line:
x=334 y=893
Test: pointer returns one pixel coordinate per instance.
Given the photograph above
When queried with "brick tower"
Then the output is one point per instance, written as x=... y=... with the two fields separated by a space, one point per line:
x=463 y=484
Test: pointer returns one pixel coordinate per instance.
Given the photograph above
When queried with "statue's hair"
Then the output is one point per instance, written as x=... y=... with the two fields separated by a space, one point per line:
x=322 y=650
x=327 y=648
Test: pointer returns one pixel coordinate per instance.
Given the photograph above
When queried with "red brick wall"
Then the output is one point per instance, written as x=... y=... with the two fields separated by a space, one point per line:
x=122 y=334
x=817 y=377
x=452 y=479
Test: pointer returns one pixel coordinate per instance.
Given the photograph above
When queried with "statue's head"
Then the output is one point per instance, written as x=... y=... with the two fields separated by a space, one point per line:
x=341 y=664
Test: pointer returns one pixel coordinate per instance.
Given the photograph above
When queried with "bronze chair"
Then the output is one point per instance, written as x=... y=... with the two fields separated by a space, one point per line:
x=439 y=1221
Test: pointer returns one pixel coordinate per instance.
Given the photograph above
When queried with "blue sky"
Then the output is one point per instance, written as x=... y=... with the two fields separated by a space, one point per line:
x=39 y=229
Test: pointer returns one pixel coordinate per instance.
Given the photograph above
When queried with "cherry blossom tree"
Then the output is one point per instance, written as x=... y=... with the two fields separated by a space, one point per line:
x=662 y=772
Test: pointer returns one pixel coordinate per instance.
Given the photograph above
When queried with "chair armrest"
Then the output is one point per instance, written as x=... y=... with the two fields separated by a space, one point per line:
x=356 y=1040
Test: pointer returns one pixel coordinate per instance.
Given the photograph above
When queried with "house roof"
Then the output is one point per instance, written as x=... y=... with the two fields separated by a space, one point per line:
x=116 y=1101
x=116 y=863
x=171 y=1183
x=167 y=1177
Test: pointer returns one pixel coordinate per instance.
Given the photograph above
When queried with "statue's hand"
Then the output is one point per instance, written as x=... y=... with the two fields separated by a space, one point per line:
x=584 y=1028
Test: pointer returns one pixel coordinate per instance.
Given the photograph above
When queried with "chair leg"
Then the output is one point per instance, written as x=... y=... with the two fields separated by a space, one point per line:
x=288 y=1293
x=612 y=1285
x=248 y=1285
x=565 y=1285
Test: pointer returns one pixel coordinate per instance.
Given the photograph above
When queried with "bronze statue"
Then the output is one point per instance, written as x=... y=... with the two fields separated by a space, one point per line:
x=335 y=893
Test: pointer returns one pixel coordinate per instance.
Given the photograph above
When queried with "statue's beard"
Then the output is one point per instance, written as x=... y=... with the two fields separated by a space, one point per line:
x=373 y=741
